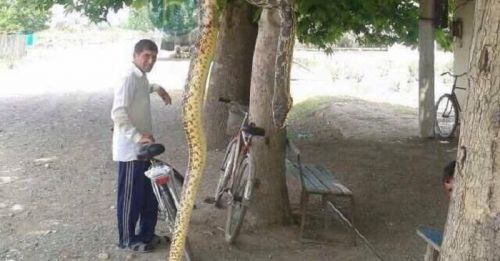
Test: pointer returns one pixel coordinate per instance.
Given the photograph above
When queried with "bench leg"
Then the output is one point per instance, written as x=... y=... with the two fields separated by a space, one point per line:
x=303 y=209
x=325 y=210
x=431 y=254
x=351 y=198
x=324 y=201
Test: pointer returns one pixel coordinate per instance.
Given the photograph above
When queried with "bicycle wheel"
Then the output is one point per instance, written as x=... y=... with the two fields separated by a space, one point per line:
x=225 y=171
x=168 y=205
x=446 y=117
x=175 y=187
x=178 y=177
x=242 y=191
x=168 y=196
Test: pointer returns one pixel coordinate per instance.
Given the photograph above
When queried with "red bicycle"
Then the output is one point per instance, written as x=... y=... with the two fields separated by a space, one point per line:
x=237 y=173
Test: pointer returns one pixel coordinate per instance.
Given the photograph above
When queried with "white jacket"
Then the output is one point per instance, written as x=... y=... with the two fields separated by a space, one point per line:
x=131 y=114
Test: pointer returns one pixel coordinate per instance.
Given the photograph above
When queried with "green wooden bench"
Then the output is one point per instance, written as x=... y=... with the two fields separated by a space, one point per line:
x=316 y=180
x=433 y=238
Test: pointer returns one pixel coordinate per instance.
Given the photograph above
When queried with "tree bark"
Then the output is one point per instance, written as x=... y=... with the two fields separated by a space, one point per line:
x=271 y=204
x=473 y=227
x=231 y=70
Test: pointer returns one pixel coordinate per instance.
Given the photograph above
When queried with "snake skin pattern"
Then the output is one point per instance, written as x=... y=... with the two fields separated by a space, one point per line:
x=194 y=94
x=193 y=123
x=282 y=101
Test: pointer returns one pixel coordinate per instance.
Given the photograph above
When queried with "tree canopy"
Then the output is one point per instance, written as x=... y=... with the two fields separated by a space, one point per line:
x=322 y=22
x=175 y=18
x=21 y=16
x=319 y=22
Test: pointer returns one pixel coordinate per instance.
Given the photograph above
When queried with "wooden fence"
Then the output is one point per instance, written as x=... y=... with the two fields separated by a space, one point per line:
x=12 y=46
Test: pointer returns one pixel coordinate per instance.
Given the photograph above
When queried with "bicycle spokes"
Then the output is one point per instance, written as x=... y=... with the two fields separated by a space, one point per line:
x=446 y=116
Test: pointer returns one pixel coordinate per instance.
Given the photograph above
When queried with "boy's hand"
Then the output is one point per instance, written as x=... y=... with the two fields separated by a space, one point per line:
x=164 y=95
x=146 y=138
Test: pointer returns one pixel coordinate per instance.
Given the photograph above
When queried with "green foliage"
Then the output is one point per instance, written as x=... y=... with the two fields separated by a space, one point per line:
x=385 y=22
x=308 y=107
x=221 y=4
x=95 y=10
x=444 y=40
x=21 y=16
x=374 y=22
x=319 y=22
x=139 y=19
x=443 y=35
x=174 y=17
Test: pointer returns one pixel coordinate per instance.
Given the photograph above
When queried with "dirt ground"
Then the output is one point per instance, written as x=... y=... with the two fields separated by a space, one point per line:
x=57 y=181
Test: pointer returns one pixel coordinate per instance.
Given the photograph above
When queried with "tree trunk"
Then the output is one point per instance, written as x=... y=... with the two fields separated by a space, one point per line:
x=473 y=227
x=426 y=111
x=231 y=70
x=271 y=205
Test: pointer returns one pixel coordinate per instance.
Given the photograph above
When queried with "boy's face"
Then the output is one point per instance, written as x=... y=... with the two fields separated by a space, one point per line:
x=145 y=60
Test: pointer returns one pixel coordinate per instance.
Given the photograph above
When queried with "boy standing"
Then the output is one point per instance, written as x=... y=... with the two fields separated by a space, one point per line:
x=131 y=115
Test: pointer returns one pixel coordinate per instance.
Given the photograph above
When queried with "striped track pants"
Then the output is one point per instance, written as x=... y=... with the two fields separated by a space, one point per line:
x=137 y=207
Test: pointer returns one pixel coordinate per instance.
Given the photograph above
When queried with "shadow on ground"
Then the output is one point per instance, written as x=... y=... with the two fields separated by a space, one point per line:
x=57 y=181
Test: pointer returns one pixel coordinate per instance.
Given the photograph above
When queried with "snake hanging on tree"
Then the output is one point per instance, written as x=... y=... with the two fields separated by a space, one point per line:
x=193 y=123
x=194 y=95
x=281 y=101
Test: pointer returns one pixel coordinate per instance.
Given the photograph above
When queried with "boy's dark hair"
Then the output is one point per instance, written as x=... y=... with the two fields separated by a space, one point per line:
x=145 y=44
x=449 y=171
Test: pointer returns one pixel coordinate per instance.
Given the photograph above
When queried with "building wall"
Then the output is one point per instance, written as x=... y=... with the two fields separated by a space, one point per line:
x=465 y=12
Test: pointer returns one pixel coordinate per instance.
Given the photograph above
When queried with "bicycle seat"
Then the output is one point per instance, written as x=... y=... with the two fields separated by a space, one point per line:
x=149 y=151
x=256 y=131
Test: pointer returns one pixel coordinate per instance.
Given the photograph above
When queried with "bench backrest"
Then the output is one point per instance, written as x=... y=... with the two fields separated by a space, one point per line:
x=314 y=178
x=432 y=236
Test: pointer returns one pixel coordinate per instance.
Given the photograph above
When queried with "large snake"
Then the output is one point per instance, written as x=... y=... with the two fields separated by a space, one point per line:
x=282 y=101
x=194 y=94
x=193 y=123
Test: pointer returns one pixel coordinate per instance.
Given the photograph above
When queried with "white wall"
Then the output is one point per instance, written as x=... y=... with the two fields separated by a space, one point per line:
x=465 y=11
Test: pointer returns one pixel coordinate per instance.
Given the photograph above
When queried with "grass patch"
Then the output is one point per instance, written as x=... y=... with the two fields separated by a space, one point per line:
x=401 y=109
x=306 y=108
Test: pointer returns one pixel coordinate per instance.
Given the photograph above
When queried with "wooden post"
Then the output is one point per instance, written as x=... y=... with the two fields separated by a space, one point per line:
x=431 y=254
x=426 y=111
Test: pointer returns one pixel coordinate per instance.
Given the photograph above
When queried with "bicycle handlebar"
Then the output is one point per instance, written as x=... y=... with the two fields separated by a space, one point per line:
x=233 y=104
x=255 y=131
x=249 y=128
x=454 y=75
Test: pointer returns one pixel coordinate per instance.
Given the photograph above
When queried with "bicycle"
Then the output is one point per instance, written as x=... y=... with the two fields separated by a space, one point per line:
x=237 y=173
x=448 y=111
x=167 y=184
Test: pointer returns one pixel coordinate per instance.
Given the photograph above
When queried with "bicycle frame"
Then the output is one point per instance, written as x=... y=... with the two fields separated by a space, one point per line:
x=237 y=174
x=456 y=101
x=169 y=182
x=243 y=145
x=454 y=87
x=165 y=180
x=448 y=109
